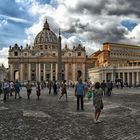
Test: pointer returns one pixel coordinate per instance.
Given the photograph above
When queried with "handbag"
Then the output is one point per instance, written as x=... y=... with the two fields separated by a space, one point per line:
x=89 y=94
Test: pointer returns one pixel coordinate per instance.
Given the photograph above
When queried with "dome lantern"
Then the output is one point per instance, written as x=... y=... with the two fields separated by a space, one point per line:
x=46 y=25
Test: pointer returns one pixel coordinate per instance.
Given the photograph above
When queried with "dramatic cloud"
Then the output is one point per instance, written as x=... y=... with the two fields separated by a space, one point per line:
x=4 y=56
x=88 y=22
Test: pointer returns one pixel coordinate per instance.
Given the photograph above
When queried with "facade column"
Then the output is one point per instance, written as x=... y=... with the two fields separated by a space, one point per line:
x=44 y=72
x=56 y=72
x=66 y=71
x=83 y=72
x=21 y=73
x=51 y=71
x=37 y=79
x=74 y=72
x=29 y=72
x=39 y=72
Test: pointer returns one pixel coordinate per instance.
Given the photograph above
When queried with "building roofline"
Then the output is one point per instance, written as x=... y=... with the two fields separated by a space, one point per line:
x=120 y=44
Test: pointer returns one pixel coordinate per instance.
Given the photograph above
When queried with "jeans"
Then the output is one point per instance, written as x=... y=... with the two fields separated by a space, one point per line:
x=80 y=99
x=5 y=91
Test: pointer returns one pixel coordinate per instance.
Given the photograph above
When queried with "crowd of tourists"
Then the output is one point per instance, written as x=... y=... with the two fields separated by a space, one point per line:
x=82 y=89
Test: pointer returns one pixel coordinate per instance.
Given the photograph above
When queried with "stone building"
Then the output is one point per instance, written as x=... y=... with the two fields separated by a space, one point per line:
x=45 y=60
x=116 y=62
x=3 y=73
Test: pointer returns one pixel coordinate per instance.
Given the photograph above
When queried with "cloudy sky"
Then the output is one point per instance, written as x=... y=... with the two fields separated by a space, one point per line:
x=89 y=22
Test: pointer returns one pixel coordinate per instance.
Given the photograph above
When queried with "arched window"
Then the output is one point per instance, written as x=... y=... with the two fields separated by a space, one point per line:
x=16 y=54
x=79 y=53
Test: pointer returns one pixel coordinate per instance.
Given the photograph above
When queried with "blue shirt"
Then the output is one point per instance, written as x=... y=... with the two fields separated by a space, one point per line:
x=79 y=89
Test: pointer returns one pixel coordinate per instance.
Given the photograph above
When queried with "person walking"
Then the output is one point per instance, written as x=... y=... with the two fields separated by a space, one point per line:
x=80 y=93
x=55 y=88
x=97 y=101
x=38 y=90
x=17 y=87
x=64 y=90
x=29 y=89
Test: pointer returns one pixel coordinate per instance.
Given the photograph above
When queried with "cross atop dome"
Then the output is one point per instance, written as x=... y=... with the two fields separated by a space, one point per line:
x=46 y=25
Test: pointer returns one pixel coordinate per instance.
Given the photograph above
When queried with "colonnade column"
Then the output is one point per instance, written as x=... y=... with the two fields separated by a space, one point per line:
x=137 y=78
x=133 y=82
x=112 y=76
x=124 y=77
x=118 y=75
x=128 y=78
x=51 y=71
x=105 y=77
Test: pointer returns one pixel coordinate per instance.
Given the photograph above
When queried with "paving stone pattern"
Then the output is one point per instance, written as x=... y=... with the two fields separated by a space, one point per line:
x=50 y=119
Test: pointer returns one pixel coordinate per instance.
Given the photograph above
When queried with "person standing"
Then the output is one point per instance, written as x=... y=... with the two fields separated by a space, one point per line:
x=97 y=101
x=64 y=90
x=11 y=89
x=49 y=85
x=55 y=88
x=38 y=90
x=109 y=86
x=17 y=87
x=103 y=86
x=0 y=88
x=80 y=93
x=29 y=89
x=5 y=88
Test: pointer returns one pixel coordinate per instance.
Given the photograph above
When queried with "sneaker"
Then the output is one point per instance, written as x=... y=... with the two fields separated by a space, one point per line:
x=95 y=121
x=99 y=121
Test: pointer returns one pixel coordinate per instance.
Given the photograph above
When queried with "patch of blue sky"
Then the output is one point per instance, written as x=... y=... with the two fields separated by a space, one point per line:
x=44 y=1
x=11 y=9
x=129 y=24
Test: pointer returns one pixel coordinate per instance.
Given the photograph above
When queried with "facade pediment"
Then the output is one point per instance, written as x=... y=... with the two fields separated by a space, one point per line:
x=79 y=48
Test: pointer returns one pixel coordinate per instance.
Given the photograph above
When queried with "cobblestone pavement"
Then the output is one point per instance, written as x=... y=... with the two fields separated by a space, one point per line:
x=50 y=119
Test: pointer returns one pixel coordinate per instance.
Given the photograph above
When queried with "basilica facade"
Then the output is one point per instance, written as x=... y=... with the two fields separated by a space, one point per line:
x=47 y=59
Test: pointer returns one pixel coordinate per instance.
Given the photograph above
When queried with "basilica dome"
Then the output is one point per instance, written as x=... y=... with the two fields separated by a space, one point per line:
x=45 y=37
